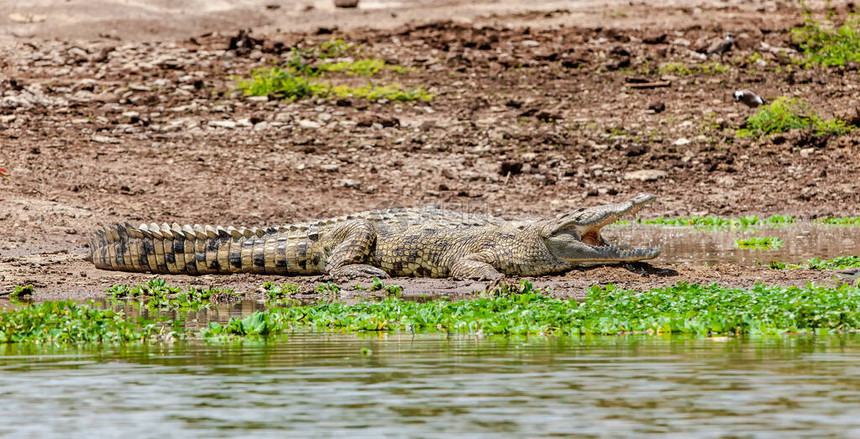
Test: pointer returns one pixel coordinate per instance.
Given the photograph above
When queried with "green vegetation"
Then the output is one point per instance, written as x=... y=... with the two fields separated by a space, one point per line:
x=362 y=67
x=275 y=292
x=690 y=309
x=683 y=308
x=754 y=58
x=334 y=48
x=826 y=44
x=712 y=222
x=762 y=243
x=21 y=292
x=328 y=288
x=784 y=114
x=302 y=77
x=69 y=322
x=845 y=221
x=837 y=263
x=680 y=69
x=156 y=294
x=378 y=285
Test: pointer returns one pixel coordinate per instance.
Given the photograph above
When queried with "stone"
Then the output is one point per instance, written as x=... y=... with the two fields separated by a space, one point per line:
x=657 y=107
x=646 y=175
x=309 y=124
x=349 y=183
x=346 y=4
x=228 y=124
x=104 y=139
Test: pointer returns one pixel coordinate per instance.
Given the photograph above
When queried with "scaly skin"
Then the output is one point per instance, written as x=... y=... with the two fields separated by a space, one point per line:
x=425 y=242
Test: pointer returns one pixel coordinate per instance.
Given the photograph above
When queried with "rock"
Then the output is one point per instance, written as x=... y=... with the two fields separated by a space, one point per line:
x=18 y=17
x=548 y=116
x=646 y=175
x=309 y=124
x=657 y=107
x=330 y=167
x=228 y=124
x=371 y=119
x=243 y=42
x=681 y=142
x=655 y=38
x=104 y=139
x=132 y=116
x=636 y=150
x=511 y=167
x=352 y=184
x=346 y=4
x=106 y=97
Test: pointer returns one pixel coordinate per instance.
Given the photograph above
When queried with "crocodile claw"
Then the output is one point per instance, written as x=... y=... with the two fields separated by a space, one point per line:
x=358 y=270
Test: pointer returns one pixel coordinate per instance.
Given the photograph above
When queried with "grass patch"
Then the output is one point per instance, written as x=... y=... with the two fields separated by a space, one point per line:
x=824 y=43
x=378 y=285
x=362 y=67
x=683 y=308
x=712 y=222
x=67 y=322
x=680 y=69
x=157 y=295
x=21 y=292
x=837 y=263
x=687 y=309
x=305 y=74
x=784 y=114
x=844 y=221
x=759 y=243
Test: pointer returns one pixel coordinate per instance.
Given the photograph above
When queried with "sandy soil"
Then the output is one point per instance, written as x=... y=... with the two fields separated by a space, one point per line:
x=128 y=112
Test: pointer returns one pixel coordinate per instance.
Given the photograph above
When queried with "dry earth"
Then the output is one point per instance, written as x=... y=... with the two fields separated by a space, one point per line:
x=132 y=115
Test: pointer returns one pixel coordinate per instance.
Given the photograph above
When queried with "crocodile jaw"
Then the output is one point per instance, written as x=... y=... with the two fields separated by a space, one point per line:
x=575 y=237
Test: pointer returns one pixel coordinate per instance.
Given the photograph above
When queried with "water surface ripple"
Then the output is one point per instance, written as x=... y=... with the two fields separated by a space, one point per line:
x=318 y=385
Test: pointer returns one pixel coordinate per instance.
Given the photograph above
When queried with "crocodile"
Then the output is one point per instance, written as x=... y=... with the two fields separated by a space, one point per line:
x=421 y=242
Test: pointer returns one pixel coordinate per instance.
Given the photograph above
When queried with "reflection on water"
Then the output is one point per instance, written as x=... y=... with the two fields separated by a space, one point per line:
x=689 y=245
x=430 y=386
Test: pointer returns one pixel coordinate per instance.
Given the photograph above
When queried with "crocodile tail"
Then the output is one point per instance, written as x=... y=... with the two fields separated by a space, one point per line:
x=175 y=249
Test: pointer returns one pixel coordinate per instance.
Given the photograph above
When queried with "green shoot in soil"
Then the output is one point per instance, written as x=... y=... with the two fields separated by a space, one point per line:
x=784 y=114
x=759 y=243
x=680 y=69
x=837 y=263
x=712 y=222
x=826 y=44
x=156 y=294
x=845 y=221
x=301 y=77
x=274 y=292
x=21 y=292
x=378 y=285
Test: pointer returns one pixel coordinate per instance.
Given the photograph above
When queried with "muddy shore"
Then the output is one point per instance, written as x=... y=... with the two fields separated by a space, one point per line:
x=536 y=110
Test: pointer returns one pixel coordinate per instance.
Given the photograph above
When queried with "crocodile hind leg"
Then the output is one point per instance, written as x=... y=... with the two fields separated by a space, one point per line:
x=355 y=243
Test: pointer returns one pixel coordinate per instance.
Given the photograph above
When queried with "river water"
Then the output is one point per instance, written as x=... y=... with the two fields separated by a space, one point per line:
x=322 y=385
x=689 y=245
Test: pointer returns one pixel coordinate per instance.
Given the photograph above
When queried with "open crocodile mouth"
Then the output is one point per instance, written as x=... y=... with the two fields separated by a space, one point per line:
x=588 y=246
x=591 y=233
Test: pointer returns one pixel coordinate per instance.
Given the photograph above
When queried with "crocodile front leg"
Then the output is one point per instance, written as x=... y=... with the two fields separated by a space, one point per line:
x=355 y=242
x=472 y=267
